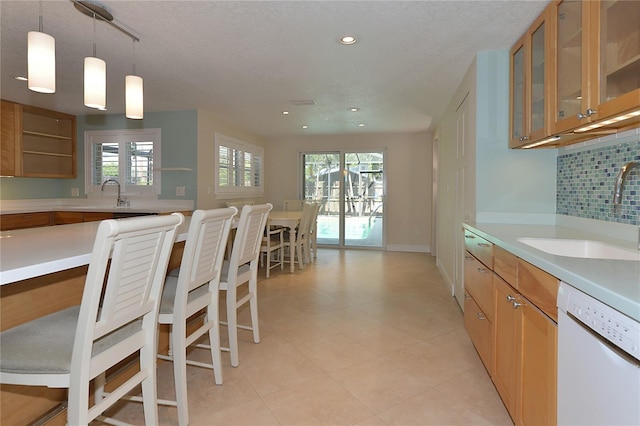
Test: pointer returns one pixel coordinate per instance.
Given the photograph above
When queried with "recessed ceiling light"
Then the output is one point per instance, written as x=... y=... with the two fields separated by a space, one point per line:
x=348 y=40
x=354 y=109
x=304 y=126
x=285 y=112
x=21 y=78
x=361 y=125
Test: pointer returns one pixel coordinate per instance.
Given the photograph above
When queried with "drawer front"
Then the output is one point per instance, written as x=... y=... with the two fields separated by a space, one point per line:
x=64 y=218
x=480 y=331
x=478 y=281
x=96 y=216
x=505 y=264
x=539 y=287
x=24 y=220
x=479 y=247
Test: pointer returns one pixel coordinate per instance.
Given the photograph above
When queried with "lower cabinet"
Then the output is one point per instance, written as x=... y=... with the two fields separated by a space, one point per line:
x=511 y=318
x=480 y=330
x=24 y=220
x=506 y=340
x=524 y=371
x=538 y=368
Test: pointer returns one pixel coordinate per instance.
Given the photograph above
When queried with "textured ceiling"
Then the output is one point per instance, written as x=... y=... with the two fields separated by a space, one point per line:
x=247 y=60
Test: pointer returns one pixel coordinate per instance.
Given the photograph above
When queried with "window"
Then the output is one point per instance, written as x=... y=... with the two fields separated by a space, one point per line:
x=129 y=156
x=239 y=168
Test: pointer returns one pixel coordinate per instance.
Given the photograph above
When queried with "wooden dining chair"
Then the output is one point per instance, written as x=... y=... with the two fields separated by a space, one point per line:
x=241 y=269
x=117 y=318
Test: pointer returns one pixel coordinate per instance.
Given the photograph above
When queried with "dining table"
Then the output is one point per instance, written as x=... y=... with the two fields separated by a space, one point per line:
x=290 y=220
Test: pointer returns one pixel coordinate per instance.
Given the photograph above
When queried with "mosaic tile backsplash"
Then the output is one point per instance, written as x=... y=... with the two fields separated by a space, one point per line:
x=586 y=180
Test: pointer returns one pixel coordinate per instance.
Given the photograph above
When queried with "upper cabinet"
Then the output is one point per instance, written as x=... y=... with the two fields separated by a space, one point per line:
x=37 y=142
x=529 y=83
x=592 y=65
x=597 y=69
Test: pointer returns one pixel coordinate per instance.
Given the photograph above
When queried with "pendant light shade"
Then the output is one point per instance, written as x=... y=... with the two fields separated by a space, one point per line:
x=41 y=62
x=95 y=83
x=134 y=97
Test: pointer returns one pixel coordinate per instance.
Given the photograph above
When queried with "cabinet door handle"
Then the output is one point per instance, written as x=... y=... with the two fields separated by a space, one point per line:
x=484 y=244
x=467 y=297
x=588 y=113
x=469 y=236
x=480 y=316
x=516 y=305
x=510 y=298
x=468 y=257
x=483 y=270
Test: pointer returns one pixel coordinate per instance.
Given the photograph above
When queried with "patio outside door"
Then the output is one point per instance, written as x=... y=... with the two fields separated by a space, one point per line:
x=350 y=186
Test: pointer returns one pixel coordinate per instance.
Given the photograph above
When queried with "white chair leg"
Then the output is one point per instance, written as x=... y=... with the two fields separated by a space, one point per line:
x=214 y=339
x=253 y=306
x=180 y=373
x=232 y=326
x=149 y=389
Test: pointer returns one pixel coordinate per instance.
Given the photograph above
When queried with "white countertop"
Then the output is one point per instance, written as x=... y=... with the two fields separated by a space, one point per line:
x=28 y=253
x=614 y=282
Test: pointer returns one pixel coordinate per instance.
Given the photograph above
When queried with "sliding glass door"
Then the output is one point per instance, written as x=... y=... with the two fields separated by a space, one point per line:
x=350 y=186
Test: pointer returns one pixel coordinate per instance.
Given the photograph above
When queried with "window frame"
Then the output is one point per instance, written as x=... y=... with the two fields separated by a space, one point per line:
x=239 y=189
x=122 y=137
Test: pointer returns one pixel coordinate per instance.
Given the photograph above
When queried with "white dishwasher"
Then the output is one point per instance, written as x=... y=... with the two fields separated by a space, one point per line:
x=598 y=362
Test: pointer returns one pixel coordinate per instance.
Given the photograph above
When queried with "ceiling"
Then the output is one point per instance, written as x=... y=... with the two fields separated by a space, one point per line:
x=245 y=61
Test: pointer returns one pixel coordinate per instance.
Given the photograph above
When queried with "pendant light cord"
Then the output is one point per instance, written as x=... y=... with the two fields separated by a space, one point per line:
x=134 y=57
x=40 y=25
x=94 y=36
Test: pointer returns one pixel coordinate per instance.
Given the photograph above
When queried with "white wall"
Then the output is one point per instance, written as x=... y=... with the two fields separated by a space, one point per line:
x=408 y=174
x=208 y=125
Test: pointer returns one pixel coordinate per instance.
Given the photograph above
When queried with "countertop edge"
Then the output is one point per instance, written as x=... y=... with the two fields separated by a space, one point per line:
x=614 y=282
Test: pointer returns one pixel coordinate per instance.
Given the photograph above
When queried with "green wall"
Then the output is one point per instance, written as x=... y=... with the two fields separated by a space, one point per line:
x=179 y=149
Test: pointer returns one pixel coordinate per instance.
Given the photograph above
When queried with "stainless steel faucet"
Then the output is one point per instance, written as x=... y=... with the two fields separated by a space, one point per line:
x=617 y=190
x=119 y=201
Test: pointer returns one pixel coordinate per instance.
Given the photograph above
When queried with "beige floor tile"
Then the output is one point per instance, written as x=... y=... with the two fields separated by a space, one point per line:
x=358 y=337
x=317 y=402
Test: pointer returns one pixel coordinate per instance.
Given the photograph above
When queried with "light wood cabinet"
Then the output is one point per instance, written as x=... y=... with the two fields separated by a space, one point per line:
x=595 y=71
x=24 y=220
x=511 y=318
x=478 y=296
x=529 y=102
x=37 y=142
x=10 y=116
x=507 y=335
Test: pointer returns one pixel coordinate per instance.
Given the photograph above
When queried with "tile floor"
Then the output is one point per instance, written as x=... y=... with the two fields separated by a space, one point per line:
x=357 y=338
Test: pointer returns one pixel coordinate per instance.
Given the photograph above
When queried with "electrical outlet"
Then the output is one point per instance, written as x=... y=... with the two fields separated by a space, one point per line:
x=75 y=192
x=180 y=191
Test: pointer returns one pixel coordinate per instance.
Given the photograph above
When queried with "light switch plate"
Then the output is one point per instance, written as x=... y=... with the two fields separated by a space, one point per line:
x=180 y=191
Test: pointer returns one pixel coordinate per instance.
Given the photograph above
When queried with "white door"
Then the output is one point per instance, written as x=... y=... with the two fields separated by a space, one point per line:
x=462 y=173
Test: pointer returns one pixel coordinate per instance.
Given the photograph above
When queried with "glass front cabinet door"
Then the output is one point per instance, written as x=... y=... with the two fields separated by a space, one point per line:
x=596 y=74
x=529 y=86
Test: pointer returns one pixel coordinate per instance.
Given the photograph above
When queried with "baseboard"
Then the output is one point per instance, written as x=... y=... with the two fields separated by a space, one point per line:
x=408 y=248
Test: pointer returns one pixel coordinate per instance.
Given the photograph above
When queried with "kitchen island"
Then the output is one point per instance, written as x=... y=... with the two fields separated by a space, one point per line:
x=42 y=270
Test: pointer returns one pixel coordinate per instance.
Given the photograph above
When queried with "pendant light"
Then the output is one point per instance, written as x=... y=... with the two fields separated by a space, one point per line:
x=41 y=60
x=95 y=78
x=134 y=94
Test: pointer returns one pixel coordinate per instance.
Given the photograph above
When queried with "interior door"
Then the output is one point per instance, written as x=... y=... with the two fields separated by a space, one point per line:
x=462 y=173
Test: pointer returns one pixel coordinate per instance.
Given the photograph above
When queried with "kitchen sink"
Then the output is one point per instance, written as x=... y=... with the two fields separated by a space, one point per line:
x=580 y=248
